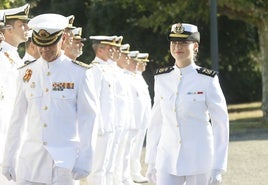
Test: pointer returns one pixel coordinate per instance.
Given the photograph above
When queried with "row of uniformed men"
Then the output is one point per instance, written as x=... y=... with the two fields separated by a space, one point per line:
x=122 y=103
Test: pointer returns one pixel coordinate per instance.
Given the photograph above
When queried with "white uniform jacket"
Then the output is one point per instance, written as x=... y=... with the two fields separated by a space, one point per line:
x=101 y=77
x=189 y=129
x=9 y=62
x=142 y=102
x=123 y=112
x=11 y=53
x=60 y=111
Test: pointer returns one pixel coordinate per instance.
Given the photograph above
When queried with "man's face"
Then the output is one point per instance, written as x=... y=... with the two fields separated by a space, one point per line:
x=52 y=52
x=77 y=47
x=19 y=30
x=141 y=66
x=132 y=65
x=106 y=51
x=67 y=38
x=123 y=61
x=116 y=53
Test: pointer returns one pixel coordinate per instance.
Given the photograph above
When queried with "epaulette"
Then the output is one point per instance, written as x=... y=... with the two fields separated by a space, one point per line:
x=26 y=63
x=207 y=72
x=163 y=70
x=94 y=62
x=81 y=64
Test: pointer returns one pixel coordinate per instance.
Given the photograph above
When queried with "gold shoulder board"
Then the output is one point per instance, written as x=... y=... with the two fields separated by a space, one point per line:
x=207 y=72
x=163 y=70
x=81 y=63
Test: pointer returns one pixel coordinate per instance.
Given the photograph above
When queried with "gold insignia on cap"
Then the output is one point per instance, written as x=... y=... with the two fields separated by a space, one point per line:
x=44 y=38
x=70 y=21
x=178 y=28
x=43 y=33
x=27 y=10
x=18 y=13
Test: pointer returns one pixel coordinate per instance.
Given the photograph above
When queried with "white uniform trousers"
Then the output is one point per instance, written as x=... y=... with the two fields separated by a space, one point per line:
x=118 y=163
x=126 y=155
x=60 y=176
x=164 y=178
x=135 y=157
x=100 y=160
x=115 y=156
x=3 y=179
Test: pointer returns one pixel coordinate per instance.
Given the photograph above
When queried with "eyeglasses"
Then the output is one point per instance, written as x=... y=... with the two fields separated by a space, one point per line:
x=181 y=43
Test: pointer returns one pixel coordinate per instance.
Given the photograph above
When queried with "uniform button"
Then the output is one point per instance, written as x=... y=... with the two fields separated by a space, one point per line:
x=178 y=125
x=44 y=143
x=63 y=96
x=31 y=95
x=45 y=108
x=161 y=97
x=179 y=141
x=46 y=90
x=48 y=73
x=45 y=125
x=174 y=110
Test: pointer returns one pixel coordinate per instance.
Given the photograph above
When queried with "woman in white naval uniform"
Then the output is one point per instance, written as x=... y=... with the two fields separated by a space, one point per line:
x=187 y=142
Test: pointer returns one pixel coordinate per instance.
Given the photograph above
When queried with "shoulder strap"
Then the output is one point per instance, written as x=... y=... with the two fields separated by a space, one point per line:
x=207 y=72
x=163 y=70
x=81 y=63
x=26 y=63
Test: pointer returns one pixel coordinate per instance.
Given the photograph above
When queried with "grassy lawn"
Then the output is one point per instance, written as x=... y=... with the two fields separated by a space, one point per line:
x=245 y=117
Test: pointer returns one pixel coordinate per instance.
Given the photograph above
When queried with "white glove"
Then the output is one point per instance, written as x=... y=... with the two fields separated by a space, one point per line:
x=9 y=173
x=216 y=177
x=79 y=174
x=151 y=173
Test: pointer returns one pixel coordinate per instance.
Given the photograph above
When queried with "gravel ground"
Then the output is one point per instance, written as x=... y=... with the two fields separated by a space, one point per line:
x=248 y=159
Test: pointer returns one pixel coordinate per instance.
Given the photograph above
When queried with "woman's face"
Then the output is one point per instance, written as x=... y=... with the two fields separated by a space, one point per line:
x=183 y=52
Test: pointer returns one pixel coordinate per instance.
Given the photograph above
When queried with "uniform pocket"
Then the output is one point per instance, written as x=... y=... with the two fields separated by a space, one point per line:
x=195 y=98
x=34 y=94
x=63 y=95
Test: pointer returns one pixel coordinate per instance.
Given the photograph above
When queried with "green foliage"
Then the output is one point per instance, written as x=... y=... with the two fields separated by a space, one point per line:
x=145 y=24
x=240 y=70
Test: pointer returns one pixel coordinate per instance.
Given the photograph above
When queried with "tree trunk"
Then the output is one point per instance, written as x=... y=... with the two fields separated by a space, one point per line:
x=263 y=37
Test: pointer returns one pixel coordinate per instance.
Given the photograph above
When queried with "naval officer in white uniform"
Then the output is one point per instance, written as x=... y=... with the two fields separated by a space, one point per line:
x=15 y=32
x=101 y=76
x=189 y=132
x=60 y=111
x=142 y=112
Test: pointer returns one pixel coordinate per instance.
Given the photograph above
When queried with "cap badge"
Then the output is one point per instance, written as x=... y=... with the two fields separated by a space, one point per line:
x=26 y=11
x=179 y=28
x=43 y=33
x=27 y=75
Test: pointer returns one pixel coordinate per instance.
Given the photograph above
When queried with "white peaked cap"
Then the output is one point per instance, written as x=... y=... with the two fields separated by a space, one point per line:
x=47 y=28
x=133 y=54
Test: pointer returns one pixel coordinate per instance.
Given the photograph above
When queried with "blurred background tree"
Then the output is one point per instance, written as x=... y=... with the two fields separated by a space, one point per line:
x=145 y=24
